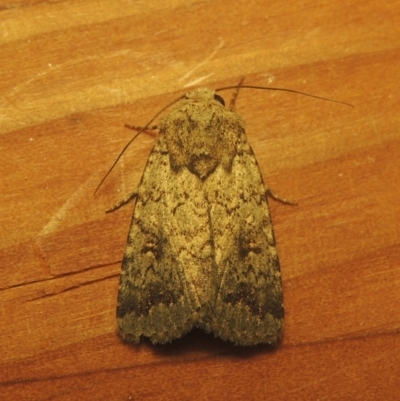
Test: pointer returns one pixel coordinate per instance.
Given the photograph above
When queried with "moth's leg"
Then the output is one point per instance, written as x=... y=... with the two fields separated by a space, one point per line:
x=273 y=195
x=143 y=129
x=123 y=202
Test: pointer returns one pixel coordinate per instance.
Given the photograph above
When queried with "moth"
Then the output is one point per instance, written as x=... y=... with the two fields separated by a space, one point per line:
x=201 y=250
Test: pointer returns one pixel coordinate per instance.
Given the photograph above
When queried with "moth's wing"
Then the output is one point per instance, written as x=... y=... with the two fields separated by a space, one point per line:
x=162 y=282
x=248 y=306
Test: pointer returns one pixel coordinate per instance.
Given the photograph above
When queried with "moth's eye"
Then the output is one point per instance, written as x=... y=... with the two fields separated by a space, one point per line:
x=218 y=98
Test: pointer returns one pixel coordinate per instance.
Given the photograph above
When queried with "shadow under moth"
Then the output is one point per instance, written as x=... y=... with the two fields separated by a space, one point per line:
x=201 y=249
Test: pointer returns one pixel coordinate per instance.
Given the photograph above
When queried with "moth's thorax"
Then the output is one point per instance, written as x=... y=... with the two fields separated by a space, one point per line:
x=200 y=134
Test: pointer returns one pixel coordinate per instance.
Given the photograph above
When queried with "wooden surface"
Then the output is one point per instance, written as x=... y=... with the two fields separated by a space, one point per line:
x=73 y=72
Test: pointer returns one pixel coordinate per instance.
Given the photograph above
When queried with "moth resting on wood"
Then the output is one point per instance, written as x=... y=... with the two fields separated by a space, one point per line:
x=201 y=250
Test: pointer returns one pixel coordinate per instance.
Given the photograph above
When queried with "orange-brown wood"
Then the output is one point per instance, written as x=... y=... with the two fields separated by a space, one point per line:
x=73 y=72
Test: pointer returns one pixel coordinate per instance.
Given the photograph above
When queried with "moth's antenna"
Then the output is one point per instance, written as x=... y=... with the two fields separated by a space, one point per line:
x=283 y=90
x=127 y=145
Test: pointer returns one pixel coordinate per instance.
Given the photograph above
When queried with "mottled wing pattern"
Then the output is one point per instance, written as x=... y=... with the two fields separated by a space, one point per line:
x=167 y=260
x=248 y=308
x=201 y=249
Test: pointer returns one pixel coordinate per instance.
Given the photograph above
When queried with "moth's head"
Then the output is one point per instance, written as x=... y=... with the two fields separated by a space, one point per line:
x=203 y=94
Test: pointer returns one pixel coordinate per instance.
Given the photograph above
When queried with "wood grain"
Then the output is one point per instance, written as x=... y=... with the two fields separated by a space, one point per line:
x=73 y=72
